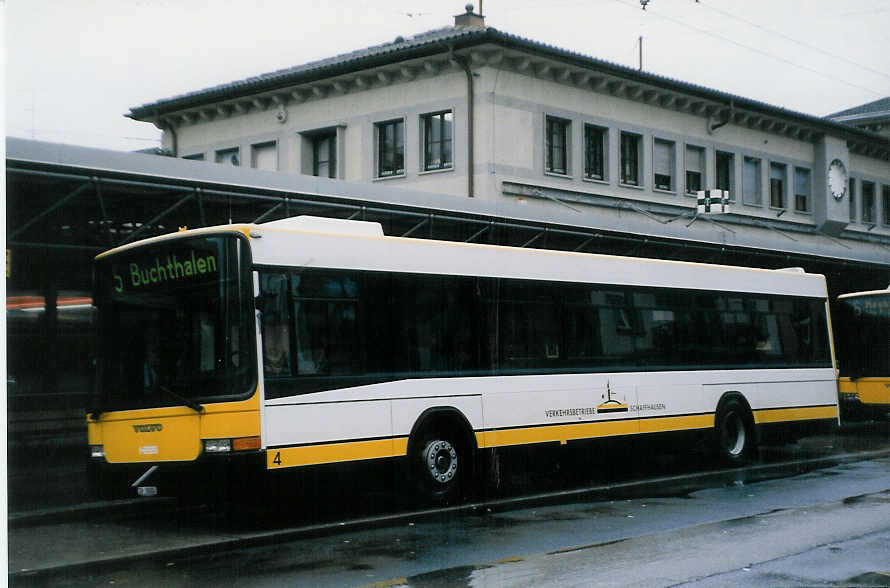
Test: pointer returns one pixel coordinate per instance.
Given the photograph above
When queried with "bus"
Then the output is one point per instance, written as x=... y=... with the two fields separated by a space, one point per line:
x=307 y=341
x=862 y=332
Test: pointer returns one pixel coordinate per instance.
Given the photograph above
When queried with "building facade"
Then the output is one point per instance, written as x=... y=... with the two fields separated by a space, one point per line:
x=468 y=110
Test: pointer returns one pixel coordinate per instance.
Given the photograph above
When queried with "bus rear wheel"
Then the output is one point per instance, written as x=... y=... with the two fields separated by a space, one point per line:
x=735 y=432
x=441 y=467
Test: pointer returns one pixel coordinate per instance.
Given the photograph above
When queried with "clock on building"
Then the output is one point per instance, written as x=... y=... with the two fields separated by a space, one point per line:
x=837 y=179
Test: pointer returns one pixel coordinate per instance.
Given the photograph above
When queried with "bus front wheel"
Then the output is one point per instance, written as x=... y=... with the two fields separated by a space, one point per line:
x=735 y=432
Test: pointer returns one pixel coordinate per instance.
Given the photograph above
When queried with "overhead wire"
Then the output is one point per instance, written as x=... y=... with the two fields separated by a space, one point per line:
x=792 y=39
x=708 y=33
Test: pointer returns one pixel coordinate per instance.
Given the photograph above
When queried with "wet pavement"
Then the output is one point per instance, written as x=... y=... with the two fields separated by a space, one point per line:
x=720 y=553
x=862 y=561
x=500 y=543
x=643 y=541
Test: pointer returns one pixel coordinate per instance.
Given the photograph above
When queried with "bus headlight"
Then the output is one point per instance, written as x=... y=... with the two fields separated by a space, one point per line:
x=217 y=445
x=229 y=445
x=97 y=451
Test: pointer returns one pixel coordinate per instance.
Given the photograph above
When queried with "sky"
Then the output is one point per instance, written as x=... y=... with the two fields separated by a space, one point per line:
x=74 y=68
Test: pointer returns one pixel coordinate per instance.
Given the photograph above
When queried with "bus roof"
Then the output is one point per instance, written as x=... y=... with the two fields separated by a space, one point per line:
x=347 y=244
x=341 y=244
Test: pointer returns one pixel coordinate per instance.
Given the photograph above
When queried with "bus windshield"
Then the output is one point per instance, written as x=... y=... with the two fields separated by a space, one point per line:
x=176 y=326
x=863 y=335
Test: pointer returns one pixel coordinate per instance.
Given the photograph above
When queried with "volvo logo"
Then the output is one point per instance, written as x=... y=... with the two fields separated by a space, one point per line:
x=148 y=428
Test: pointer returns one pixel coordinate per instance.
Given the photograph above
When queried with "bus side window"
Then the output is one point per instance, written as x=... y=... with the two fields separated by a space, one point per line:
x=275 y=325
x=324 y=305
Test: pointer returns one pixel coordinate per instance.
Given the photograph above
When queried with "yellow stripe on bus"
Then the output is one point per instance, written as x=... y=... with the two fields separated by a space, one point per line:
x=682 y=423
x=335 y=452
x=561 y=433
x=382 y=448
x=569 y=432
x=777 y=415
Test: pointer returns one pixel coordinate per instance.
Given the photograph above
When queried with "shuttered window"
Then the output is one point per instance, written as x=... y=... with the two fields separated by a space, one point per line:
x=264 y=156
x=751 y=181
x=801 y=189
x=664 y=164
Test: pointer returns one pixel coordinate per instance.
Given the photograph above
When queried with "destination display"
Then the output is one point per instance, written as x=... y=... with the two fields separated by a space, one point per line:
x=164 y=270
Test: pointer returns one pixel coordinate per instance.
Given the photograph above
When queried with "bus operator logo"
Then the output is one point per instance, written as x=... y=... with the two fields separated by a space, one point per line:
x=151 y=428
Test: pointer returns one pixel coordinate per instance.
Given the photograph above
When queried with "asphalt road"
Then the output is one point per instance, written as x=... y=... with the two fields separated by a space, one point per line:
x=755 y=526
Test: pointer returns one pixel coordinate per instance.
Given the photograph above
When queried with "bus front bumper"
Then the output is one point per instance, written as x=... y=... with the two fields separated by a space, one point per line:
x=209 y=476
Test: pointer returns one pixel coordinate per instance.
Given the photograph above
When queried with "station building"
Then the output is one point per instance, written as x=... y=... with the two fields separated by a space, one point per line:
x=468 y=110
x=465 y=133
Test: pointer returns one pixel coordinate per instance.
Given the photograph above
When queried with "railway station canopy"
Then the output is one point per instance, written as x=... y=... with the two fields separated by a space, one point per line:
x=65 y=198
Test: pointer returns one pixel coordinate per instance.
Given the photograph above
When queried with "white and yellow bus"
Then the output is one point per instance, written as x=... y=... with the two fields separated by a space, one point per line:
x=862 y=331
x=309 y=341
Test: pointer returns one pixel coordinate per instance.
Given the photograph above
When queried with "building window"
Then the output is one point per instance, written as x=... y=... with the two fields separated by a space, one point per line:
x=663 y=164
x=557 y=145
x=228 y=156
x=595 y=141
x=194 y=157
x=630 y=159
x=751 y=181
x=324 y=155
x=885 y=202
x=801 y=189
x=725 y=170
x=437 y=138
x=851 y=190
x=264 y=156
x=868 y=203
x=321 y=152
x=777 y=182
x=390 y=148
x=695 y=165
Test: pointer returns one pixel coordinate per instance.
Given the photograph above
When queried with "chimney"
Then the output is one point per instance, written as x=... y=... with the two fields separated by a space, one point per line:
x=469 y=20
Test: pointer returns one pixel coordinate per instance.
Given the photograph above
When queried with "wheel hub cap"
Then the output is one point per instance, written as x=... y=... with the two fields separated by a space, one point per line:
x=440 y=458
